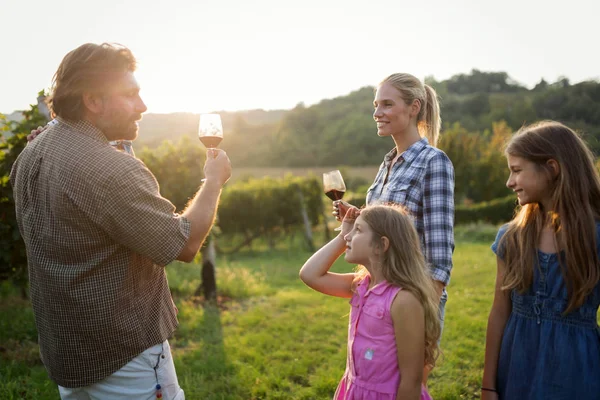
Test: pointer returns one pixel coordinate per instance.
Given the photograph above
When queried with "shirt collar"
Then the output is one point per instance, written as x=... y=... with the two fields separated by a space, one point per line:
x=409 y=154
x=377 y=289
x=86 y=128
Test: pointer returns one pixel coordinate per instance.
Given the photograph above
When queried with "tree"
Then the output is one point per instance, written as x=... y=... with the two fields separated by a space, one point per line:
x=493 y=172
x=479 y=162
x=13 y=138
x=462 y=147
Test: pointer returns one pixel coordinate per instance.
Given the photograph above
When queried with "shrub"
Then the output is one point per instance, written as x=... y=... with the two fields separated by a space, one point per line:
x=494 y=211
x=264 y=206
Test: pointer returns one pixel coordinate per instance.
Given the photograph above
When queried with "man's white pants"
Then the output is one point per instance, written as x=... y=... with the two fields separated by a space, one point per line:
x=136 y=380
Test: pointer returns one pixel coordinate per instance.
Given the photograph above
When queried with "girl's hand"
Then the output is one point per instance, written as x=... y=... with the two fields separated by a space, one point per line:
x=315 y=271
x=340 y=208
x=350 y=216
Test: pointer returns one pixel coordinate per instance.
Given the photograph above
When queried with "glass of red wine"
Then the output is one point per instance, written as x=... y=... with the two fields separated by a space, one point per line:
x=210 y=131
x=334 y=187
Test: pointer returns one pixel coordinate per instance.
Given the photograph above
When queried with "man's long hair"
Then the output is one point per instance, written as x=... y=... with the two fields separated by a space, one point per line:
x=87 y=69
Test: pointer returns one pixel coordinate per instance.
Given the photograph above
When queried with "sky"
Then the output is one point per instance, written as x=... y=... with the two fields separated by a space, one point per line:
x=201 y=56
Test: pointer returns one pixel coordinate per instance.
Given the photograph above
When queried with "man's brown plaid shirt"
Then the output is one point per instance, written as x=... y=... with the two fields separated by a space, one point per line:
x=98 y=235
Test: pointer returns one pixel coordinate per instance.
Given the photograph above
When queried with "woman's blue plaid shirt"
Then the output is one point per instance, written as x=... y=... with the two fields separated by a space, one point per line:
x=422 y=180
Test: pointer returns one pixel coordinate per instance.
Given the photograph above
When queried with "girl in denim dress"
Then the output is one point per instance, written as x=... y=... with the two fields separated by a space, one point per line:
x=394 y=325
x=543 y=340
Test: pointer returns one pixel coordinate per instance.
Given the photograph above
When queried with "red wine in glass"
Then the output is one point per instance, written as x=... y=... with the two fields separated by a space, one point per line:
x=334 y=187
x=334 y=194
x=210 y=131
x=210 y=142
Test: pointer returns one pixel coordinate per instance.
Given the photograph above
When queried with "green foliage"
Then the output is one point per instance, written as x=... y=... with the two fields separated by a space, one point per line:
x=479 y=163
x=467 y=217
x=476 y=232
x=340 y=131
x=13 y=138
x=482 y=82
x=493 y=212
x=269 y=206
x=354 y=182
x=178 y=169
x=358 y=198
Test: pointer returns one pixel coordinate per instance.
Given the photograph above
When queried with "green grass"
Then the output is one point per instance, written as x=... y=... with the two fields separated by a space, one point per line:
x=273 y=338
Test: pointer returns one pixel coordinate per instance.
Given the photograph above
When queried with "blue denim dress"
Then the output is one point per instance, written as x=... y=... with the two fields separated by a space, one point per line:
x=545 y=355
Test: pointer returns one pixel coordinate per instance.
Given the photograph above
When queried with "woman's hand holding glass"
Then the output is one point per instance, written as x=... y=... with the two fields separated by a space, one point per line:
x=340 y=208
x=334 y=187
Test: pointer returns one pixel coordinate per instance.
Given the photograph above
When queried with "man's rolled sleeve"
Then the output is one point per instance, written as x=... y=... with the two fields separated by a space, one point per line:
x=438 y=216
x=138 y=217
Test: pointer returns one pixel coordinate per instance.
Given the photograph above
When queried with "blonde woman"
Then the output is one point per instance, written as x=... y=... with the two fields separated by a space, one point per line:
x=415 y=173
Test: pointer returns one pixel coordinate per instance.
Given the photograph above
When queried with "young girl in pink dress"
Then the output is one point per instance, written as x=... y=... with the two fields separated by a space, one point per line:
x=394 y=325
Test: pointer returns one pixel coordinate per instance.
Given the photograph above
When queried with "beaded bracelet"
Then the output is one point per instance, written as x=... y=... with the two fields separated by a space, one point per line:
x=489 y=390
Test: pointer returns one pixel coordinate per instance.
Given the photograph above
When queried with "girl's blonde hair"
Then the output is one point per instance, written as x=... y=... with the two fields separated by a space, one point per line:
x=575 y=207
x=411 y=88
x=403 y=265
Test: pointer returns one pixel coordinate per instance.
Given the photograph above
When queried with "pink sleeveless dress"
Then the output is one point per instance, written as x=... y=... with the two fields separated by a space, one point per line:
x=372 y=364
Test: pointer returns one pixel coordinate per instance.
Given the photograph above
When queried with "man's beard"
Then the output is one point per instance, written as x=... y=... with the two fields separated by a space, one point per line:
x=119 y=127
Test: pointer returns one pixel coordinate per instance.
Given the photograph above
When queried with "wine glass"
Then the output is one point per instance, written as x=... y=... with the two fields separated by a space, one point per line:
x=210 y=131
x=334 y=187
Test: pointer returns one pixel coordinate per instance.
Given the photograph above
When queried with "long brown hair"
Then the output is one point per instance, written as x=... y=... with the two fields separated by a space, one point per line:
x=88 y=68
x=575 y=202
x=403 y=265
x=411 y=88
